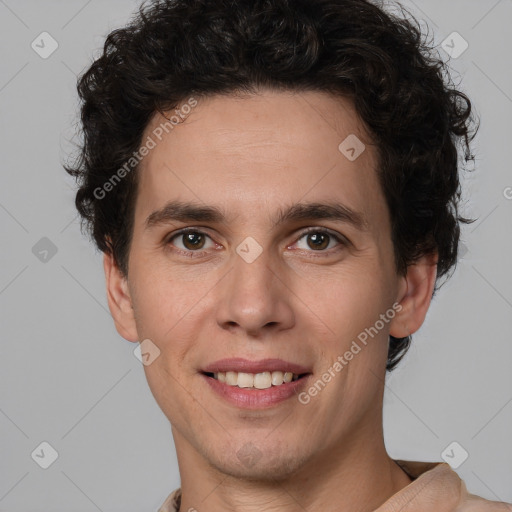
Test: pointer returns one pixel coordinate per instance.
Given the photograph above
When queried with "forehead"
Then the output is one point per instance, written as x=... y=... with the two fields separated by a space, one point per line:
x=261 y=152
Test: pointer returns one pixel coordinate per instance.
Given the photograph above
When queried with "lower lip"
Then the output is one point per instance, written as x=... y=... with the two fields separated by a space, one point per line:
x=250 y=398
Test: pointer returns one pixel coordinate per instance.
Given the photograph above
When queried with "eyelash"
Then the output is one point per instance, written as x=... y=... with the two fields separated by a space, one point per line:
x=195 y=254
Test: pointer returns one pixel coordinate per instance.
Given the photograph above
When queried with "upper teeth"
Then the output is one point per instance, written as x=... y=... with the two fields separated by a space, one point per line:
x=261 y=380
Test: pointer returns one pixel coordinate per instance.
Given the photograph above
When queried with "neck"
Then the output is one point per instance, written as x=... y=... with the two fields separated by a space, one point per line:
x=356 y=474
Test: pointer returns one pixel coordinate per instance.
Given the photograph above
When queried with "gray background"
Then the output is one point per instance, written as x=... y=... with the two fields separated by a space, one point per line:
x=68 y=378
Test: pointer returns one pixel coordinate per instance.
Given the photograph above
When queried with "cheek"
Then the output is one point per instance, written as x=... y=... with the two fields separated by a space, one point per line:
x=346 y=299
x=171 y=312
x=160 y=300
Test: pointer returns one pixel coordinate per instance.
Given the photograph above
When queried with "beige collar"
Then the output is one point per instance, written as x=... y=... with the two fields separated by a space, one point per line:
x=435 y=488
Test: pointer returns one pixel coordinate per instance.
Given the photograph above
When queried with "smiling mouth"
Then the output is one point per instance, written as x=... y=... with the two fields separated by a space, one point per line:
x=262 y=380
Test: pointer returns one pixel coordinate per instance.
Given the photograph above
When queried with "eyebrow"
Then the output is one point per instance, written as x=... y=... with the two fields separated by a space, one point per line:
x=185 y=212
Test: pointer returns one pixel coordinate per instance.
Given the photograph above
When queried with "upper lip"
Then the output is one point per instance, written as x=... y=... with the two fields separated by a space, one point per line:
x=239 y=364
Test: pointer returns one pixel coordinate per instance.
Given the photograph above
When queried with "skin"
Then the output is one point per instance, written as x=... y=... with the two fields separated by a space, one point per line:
x=253 y=156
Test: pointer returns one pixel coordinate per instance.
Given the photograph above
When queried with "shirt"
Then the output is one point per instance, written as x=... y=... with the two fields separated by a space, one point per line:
x=435 y=488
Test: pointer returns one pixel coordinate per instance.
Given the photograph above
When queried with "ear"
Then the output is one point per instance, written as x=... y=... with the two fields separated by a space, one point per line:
x=415 y=293
x=119 y=300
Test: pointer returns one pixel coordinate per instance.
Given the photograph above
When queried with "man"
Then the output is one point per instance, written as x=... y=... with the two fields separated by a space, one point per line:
x=274 y=185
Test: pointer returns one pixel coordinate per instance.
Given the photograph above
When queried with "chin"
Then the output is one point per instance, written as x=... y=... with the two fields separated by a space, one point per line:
x=253 y=464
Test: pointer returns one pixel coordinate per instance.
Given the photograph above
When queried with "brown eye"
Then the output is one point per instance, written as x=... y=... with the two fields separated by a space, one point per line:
x=318 y=241
x=193 y=240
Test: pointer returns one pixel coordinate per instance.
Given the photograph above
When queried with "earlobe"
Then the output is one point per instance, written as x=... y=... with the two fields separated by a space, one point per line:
x=119 y=300
x=415 y=294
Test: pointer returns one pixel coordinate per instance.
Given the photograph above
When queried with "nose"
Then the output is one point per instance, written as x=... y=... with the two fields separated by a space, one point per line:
x=254 y=298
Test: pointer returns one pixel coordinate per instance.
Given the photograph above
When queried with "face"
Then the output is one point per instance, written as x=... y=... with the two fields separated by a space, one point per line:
x=286 y=260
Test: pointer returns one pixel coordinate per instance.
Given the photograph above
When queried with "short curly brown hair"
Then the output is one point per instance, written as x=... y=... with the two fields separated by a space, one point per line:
x=421 y=125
